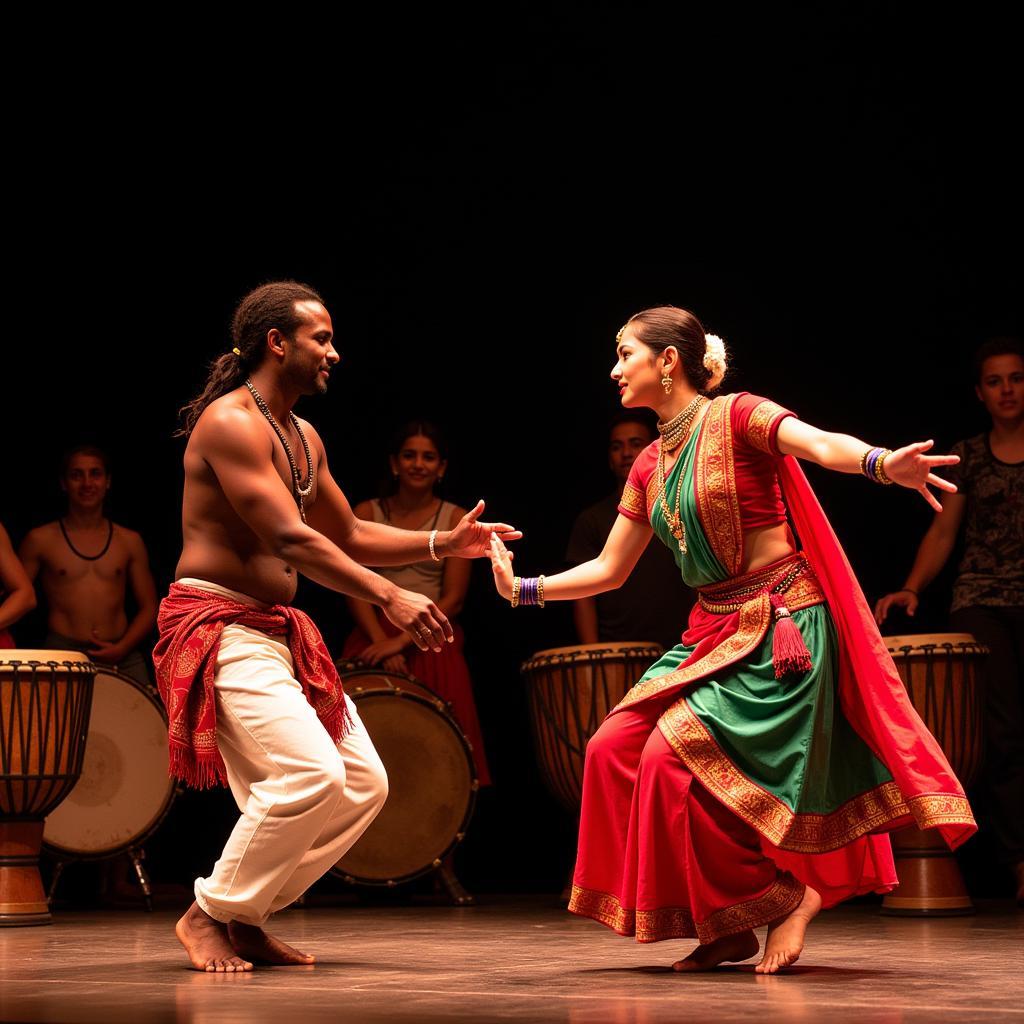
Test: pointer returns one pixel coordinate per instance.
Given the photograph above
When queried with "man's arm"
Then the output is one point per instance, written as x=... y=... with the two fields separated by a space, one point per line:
x=235 y=447
x=932 y=554
x=20 y=594
x=380 y=544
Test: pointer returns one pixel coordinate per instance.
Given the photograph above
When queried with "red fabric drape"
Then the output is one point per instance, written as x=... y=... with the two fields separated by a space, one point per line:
x=190 y=623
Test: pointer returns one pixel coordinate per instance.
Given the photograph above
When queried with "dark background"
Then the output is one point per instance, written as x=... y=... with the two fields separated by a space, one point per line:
x=482 y=205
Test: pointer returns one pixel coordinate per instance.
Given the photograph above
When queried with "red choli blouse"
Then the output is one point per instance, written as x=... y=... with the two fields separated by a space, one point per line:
x=755 y=426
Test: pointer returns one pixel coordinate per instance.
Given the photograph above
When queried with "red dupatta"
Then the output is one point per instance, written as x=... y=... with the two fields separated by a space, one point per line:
x=873 y=698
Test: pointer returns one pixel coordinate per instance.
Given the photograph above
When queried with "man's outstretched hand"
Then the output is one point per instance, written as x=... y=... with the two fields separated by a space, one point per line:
x=472 y=539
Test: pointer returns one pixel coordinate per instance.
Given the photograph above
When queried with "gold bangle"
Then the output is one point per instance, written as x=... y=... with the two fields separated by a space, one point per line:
x=540 y=591
x=430 y=545
x=517 y=582
x=864 y=461
x=880 y=467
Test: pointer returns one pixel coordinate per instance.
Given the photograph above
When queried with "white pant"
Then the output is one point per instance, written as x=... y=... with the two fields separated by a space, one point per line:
x=304 y=801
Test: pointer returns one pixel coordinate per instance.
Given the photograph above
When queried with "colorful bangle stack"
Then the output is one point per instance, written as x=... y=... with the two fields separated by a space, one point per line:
x=872 y=464
x=527 y=591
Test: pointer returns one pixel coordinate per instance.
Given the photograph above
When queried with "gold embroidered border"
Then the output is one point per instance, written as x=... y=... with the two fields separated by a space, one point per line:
x=633 y=500
x=677 y=922
x=765 y=812
x=932 y=809
x=760 y=424
x=784 y=895
x=755 y=617
x=646 y=925
x=715 y=485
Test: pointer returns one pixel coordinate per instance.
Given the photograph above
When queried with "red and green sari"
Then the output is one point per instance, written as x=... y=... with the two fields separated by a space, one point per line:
x=748 y=760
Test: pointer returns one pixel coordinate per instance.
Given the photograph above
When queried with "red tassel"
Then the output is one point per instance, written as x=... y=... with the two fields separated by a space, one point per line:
x=789 y=652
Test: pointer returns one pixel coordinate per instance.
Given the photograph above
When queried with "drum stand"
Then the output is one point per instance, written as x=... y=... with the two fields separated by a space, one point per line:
x=135 y=853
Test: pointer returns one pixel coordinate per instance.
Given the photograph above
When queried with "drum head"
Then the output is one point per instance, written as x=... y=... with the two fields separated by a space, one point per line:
x=431 y=788
x=920 y=643
x=124 y=790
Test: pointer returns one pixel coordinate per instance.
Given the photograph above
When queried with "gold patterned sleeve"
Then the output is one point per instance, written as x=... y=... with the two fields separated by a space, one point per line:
x=757 y=421
x=633 y=503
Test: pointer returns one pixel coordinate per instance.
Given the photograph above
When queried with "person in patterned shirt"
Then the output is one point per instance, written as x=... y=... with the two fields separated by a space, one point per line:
x=988 y=595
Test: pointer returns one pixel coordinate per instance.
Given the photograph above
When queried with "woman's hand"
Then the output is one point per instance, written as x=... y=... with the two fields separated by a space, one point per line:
x=905 y=599
x=501 y=564
x=471 y=539
x=382 y=650
x=910 y=467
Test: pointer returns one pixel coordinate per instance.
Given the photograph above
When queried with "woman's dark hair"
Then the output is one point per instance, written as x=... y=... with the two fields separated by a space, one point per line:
x=264 y=308
x=662 y=326
x=1002 y=346
x=414 y=428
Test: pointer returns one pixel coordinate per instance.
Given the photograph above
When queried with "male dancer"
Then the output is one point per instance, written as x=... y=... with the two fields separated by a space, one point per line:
x=244 y=676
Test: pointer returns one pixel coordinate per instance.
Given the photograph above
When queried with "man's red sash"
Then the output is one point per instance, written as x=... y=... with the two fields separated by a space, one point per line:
x=190 y=624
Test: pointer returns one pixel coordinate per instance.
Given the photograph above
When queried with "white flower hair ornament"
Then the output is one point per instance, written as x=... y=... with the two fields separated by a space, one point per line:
x=715 y=360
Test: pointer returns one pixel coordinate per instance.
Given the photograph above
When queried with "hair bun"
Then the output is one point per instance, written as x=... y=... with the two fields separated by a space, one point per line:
x=715 y=360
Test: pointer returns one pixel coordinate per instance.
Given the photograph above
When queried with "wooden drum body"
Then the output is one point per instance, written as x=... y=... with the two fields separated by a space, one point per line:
x=45 y=698
x=571 y=690
x=942 y=677
x=432 y=784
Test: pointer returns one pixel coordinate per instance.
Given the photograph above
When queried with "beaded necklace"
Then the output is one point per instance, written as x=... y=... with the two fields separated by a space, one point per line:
x=674 y=432
x=89 y=558
x=298 y=492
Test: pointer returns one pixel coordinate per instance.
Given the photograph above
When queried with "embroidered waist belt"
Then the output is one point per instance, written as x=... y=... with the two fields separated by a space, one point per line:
x=790 y=585
x=792 y=576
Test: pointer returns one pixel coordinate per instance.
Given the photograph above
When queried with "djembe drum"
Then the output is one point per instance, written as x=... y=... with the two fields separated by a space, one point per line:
x=941 y=674
x=571 y=689
x=45 y=698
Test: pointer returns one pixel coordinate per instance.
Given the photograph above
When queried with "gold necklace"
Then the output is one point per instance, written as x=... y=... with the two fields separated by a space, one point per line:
x=678 y=429
x=674 y=430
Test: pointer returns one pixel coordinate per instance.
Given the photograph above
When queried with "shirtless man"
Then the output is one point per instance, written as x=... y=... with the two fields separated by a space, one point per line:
x=260 y=507
x=86 y=562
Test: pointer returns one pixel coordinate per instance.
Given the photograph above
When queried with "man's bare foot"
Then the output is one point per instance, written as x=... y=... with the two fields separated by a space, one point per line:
x=206 y=942
x=729 y=948
x=255 y=944
x=785 y=939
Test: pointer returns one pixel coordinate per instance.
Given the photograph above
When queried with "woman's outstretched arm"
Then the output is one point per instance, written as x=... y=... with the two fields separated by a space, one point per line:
x=622 y=550
x=908 y=466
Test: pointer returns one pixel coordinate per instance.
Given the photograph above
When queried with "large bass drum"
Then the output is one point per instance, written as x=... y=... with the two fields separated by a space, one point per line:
x=431 y=781
x=124 y=791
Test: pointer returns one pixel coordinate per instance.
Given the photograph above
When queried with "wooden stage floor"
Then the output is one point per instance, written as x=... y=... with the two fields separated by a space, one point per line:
x=512 y=959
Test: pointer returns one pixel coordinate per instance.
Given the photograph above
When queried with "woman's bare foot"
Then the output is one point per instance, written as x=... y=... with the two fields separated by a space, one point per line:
x=785 y=939
x=255 y=944
x=206 y=942
x=729 y=948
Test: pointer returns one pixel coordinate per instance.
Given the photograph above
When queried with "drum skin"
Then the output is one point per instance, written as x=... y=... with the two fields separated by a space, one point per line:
x=431 y=783
x=124 y=791
x=571 y=690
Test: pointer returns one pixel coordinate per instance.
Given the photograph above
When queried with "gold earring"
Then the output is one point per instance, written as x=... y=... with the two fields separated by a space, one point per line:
x=666 y=383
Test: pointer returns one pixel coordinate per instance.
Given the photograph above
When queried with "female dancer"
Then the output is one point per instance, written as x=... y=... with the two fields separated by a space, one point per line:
x=749 y=777
x=418 y=463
